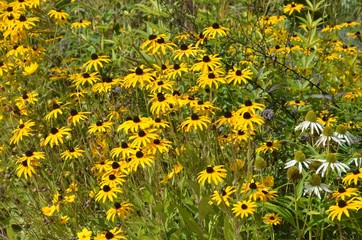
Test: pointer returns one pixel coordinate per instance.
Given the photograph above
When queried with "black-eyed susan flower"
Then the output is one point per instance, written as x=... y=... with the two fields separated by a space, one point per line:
x=81 y=24
x=135 y=124
x=343 y=193
x=112 y=179
x=140 y=76
x=159 y=86
x=106 y=84
x=161 y=45
x=30 y=69
x=272 y=219
x=72 y=153
x=247 y=120
x=342 y=207
x=84 y=78
x=121 y=210
x=26 y=168
x=250 y=107
x=141 y=157
x=23 y=130
x=290 y=8
x=161 y=103
x=59 y=15
x=31 y=155
x=123 y=151
x=353 y=176
x=211 y=79
x=237 y=76
x=55 y=137
x=244 y=208
x=142 y=138
x=216 y=174
x=24 y=23
x=228 y=118
x=25 y=99
x=107 y=193
x=239 y=136
x=195 y=122
x=268 y=194
x=207 y=63
x=57 y=108
x=252 y=189
x=158 y=146
x=100 y=127
x=222 y=196
x=215 y=31
x=75 y=117
x=269 y=145
x=96 y=62
x=177 y=70
x=85 y=234
x=112 y=234
x=186 y=51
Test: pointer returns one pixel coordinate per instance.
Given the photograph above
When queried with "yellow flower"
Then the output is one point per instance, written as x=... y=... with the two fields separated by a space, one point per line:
x=223 y=196
x=108 y=193
x=55 y=136
x=268 y=146
x=58 y=15
x=96 y=62
x=72 y=153
x=244 y=208
x=207 y=63
x=272 y=219
x=140 y=158
x=23 y=130
x=216 y=174
x=341 y=208
x=122 y=210
x=290 y=8
x=30 y=69
x=99 y=126
x=344 y=193
x=215 y=30
x=237 y=76
x=85 y=234
x=81 y=24
x=63 y=219
x=195 y=122
x=48 y=211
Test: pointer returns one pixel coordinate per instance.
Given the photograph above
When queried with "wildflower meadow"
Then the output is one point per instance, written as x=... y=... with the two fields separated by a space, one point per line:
x=180 y=119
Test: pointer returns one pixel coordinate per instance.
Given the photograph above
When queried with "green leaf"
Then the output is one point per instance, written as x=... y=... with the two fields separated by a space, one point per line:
x=228 y=229
x=204 y=207
x=190 y=222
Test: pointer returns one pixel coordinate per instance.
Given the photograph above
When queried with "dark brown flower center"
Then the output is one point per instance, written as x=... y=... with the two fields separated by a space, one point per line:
x=210 y=170
x=227 y=114
x=215 y=26
x=124 y=145
x=269 y=144
x=244 y=206
x=139 y=71
x=341 y=190
x=238 y=73
x=54 y=131
x=206 y=59
x=99 y=123
x=184 y=47
x=73 y=112
x=152 y=37
x=253 y=186
x=85 y=75
x=115 y=165
x=194 y=117
x=139 y=154
x=246 y=115
x=342 y=204
x=106 y=188
x=141 y=133
x=94 y=56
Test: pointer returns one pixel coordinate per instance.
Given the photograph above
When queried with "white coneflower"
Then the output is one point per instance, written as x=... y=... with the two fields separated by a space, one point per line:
x=342 y=133
x=315 y=186
x=310 y=122
x=357 y=159
x=331 y=163
x=327 y=136
x=299 y=160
